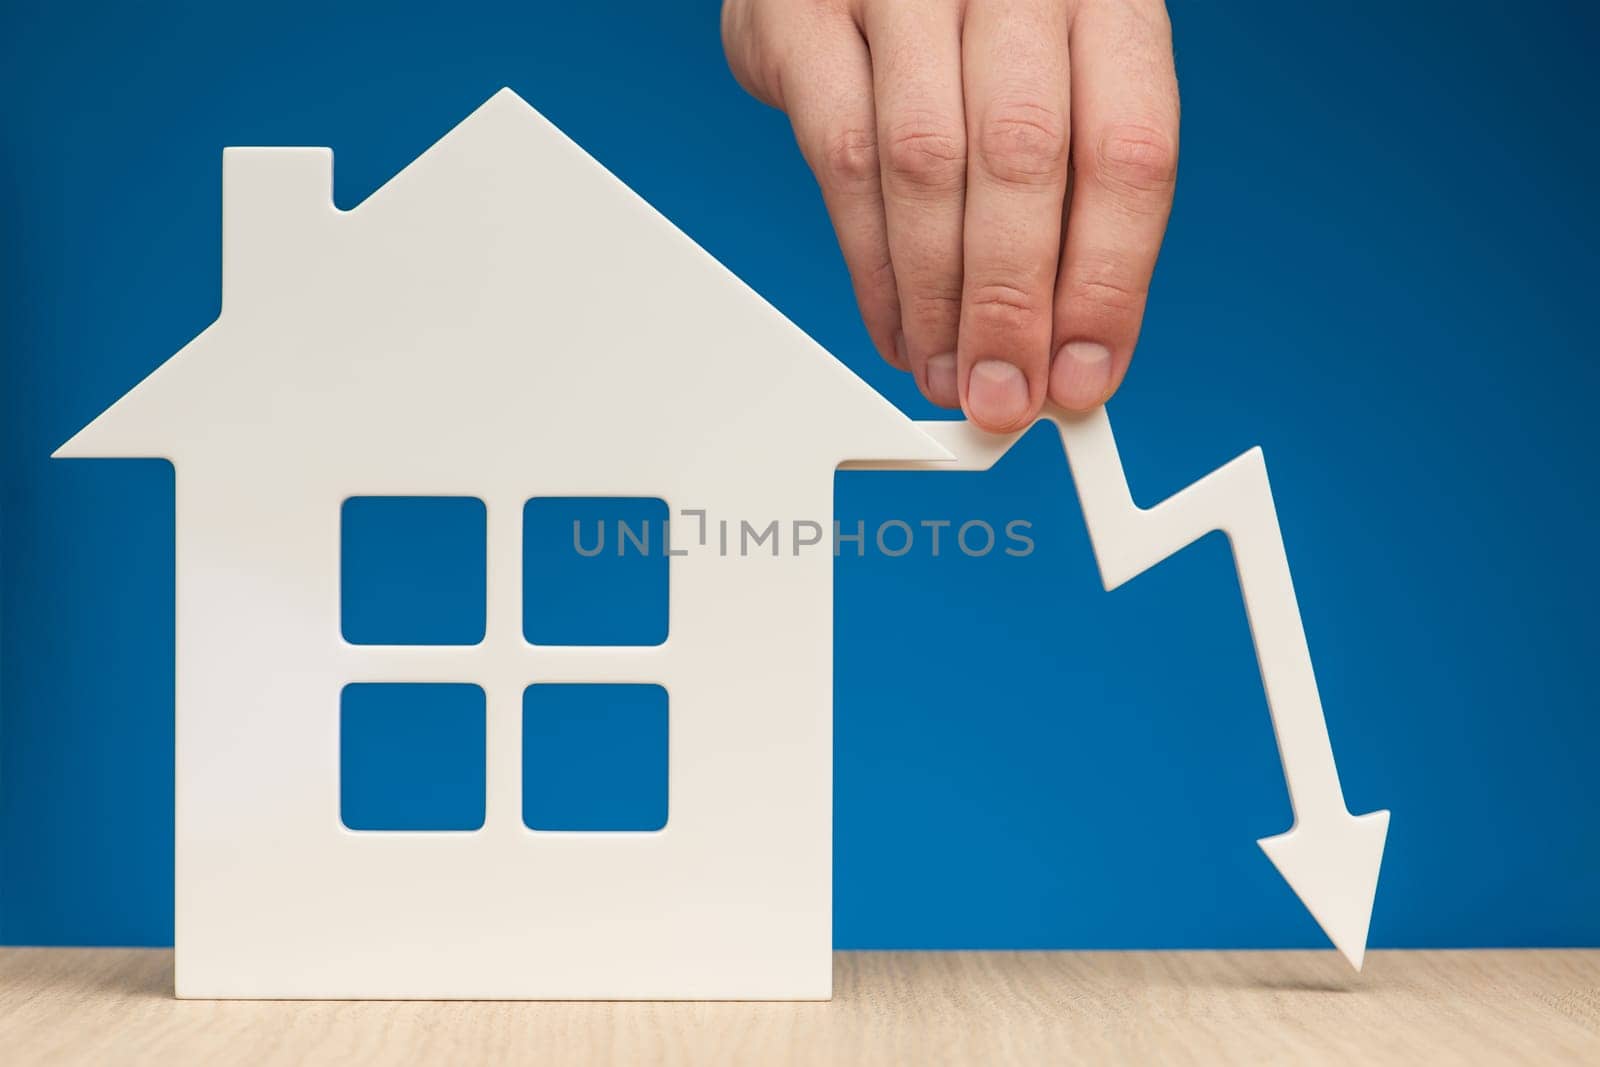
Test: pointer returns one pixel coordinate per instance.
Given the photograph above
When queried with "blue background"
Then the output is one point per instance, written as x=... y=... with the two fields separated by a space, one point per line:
x=1381 y=268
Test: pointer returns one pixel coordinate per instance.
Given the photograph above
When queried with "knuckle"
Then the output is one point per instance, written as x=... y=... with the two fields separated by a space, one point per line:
x=1139 y=163
x=926 y=155
x=1104 y=299
x=933 y=306
x=1002 y=307
x=850 y=157
x=1024 y=144
x=1102 y=287
x=933 y=296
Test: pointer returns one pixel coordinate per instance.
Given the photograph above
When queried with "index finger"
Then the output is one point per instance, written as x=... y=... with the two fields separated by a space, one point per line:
x=827 y=93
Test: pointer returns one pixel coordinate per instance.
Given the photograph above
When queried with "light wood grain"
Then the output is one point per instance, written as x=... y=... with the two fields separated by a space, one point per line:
x=115 y=1006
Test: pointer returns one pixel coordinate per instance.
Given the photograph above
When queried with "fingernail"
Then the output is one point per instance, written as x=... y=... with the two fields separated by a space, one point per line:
x=942 y=380
x=1081 y=375
x=997 y=394
x=901 y=359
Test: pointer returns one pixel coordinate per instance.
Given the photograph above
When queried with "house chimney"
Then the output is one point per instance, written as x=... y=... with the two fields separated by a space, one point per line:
x=274 y=203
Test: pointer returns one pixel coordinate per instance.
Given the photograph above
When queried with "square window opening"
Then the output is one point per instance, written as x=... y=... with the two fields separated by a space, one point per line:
x=595 y=571
x=413 y=570
x=411 y=756
x=594 y=757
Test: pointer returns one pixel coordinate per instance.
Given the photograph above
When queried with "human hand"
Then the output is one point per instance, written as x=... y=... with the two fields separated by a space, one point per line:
x=999 y=174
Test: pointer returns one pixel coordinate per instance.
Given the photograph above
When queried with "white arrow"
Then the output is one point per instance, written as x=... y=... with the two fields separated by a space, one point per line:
x=1329 y=857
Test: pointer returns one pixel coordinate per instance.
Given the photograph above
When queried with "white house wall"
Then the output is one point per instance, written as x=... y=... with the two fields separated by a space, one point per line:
x=276 y=898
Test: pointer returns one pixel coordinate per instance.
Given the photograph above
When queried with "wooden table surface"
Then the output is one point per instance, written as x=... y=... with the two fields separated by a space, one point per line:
x=115 y=1006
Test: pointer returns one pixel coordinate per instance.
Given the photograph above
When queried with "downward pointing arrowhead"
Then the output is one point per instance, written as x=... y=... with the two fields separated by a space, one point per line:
x=1332 y=866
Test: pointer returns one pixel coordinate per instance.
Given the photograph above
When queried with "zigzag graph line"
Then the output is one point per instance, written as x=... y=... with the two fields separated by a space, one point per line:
x=1330 y=858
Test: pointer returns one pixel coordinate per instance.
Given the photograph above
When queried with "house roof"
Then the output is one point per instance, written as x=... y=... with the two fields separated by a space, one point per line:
x=505 y=285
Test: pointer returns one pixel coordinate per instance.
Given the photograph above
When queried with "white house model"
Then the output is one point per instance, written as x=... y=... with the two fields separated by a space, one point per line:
x=506 y=320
